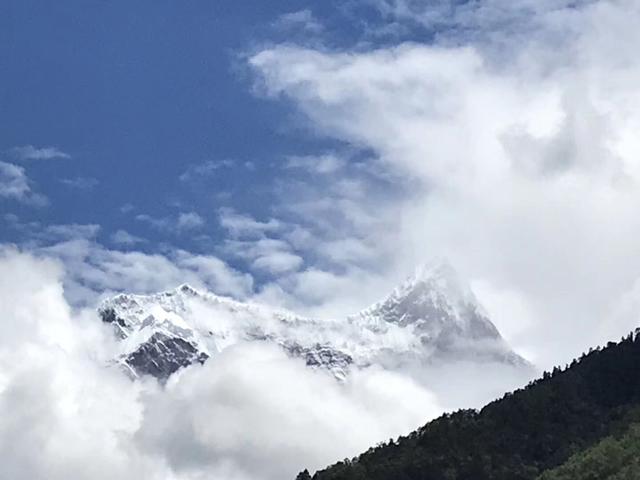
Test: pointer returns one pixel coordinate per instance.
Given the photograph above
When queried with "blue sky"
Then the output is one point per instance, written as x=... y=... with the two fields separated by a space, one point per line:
x=145 y=124
x=134 y=94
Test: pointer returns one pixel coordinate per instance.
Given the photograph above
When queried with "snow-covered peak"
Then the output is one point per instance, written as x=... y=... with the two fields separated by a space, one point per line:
x=431 y=316
x=440 y=275
x=444 y=314
x=434 y=295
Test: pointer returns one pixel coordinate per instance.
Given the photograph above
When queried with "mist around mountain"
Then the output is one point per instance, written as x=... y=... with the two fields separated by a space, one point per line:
x=573 y=423
x=61 y=385
x=431 y=327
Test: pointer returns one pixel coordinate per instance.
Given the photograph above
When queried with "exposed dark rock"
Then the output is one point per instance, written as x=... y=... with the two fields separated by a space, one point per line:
x=320 y=356
x=108 y=315
x=161 y=355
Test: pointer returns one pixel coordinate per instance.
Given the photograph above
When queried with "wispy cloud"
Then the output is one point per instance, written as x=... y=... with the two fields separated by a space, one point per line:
x=160 y=223
x=269 y=255
x=242 y=225
x=15 y=185
x=299 y=20
x=70 y=231
x=39 y=234
x=127 y=208
x=13 y=181
x=204 y=170
x=505 y=25
x=182 y=222
x=93 y=269
x=122 y=237
x=322 y=164
x=189 y=221
x=29 y=152
x=80 y=183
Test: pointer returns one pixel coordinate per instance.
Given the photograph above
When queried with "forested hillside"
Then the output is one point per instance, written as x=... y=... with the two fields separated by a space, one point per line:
x=617 y=457
x=519 y=436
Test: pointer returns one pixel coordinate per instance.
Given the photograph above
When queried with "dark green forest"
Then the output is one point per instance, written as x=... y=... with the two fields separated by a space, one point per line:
x=552 y=422
x=617 y=457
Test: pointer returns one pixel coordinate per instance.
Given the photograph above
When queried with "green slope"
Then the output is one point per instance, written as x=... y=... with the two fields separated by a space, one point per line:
x=519 y=436
x=614 y=458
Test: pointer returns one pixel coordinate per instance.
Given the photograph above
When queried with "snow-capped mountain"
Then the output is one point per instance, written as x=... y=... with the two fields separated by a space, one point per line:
x=431 y=317
x=444 y=314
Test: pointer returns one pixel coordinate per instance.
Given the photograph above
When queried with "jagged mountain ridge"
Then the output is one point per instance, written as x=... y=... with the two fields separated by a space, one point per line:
x=431 y=317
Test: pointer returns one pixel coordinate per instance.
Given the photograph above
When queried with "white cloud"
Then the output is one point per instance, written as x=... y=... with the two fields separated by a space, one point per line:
x=265 y=254
x=59 y=400
x=328 y=163
x=127 y=208
x=299 y=20
x=29 y=152
x=203 y=170
x=93 y=270
x=36 y=234
x=231 y=411
x=15 y=185
x=155 y=222
x=13 y=181
x=184 y=221
x=328 y=218
x=348 y=250
x=122 y=237
x=323 y=293
x=501 y=25
x=524 y=167
x=278 y=262
x=69 y=231
x=241 y=225
x=216 y=274
x=189 y=221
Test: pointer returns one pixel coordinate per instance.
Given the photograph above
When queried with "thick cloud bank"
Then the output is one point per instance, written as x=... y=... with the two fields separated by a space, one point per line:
x=62 y=413
x=249 y=413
